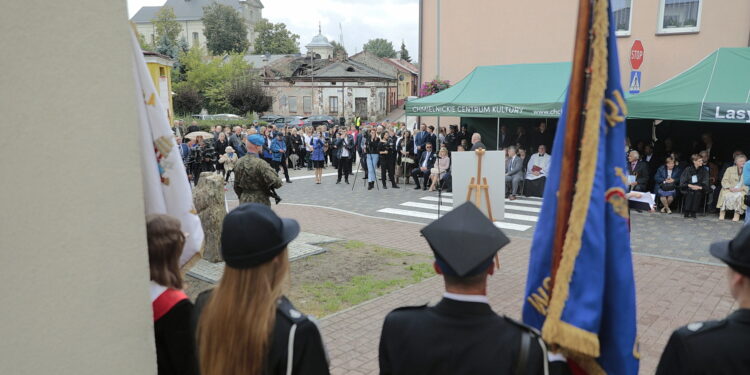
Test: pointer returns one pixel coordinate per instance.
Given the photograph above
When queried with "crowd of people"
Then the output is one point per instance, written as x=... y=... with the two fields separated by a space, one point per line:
x=696 y=181
x=702 y=180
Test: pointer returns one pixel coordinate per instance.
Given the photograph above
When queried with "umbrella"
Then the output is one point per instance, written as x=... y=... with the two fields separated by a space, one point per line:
x=193 y=135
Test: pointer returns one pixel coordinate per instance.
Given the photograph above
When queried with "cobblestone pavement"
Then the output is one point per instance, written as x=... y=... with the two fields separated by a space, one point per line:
x=670 y=292
x=673 y=236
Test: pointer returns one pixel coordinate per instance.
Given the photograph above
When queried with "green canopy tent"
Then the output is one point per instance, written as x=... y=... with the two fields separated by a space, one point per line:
x=520 y=91
x=501 y=91
x=717 y=89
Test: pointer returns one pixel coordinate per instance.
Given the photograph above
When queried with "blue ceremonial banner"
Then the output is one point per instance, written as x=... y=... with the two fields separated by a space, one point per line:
x=590 y=311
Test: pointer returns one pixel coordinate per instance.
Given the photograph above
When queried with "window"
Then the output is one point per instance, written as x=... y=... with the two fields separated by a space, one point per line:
x=382 y=100
x=162 y=72
x=307 y=104
x=333 y=104
x=679 y=16
x=292 y=100
x=196 y=40
x=622 y=11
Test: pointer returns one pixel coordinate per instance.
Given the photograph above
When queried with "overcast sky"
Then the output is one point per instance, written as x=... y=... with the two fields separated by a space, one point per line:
x=361 y=20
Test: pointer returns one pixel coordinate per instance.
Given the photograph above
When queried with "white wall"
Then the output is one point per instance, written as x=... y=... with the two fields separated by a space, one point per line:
x=73 y=258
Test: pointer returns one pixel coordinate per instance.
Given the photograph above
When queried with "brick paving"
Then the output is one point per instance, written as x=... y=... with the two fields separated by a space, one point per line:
x=670 y=292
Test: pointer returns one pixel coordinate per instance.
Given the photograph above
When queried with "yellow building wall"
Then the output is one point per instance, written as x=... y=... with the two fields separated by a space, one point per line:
x=154 y=70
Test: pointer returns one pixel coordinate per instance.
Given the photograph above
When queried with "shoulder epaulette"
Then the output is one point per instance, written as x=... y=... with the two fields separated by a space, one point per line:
x=288 y=311
x=701 y=327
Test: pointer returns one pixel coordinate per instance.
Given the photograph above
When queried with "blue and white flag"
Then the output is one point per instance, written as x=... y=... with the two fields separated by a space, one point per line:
x=590 y=311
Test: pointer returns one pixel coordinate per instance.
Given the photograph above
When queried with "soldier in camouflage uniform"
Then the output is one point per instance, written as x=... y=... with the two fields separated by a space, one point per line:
x=253 y=176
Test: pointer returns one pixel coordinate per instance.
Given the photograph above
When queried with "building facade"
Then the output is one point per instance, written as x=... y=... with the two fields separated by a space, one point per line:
x=404 y=72
x=189 y=13
x=304 y=87
x=408 y=80
x=455 y=37
x=160 y=68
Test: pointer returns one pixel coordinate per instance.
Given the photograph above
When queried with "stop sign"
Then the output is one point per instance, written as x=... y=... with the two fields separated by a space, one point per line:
x=636 y=55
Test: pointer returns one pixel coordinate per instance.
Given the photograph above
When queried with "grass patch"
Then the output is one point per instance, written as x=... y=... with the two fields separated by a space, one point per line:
x=352 y=272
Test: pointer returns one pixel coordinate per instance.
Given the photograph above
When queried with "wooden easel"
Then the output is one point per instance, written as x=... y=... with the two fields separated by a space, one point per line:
x=479 y=184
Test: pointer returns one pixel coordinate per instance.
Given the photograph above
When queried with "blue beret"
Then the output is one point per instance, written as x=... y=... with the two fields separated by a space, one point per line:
x=256 y=139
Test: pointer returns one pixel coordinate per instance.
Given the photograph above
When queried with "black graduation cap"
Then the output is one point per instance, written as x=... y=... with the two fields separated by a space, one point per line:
x=464 y=240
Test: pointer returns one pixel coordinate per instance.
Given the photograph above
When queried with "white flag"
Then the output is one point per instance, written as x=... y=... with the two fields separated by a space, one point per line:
x=165 y=185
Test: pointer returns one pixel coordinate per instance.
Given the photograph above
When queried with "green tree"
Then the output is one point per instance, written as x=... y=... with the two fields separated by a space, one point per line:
x=380 y=47
x=187 y=100
x=210 y=76
x=225 y=30
x=274 y=38
x=166 y=25
x=246 y=95
x=404 y=53
x=171 y=49
x=338 y=49
x=144 y=45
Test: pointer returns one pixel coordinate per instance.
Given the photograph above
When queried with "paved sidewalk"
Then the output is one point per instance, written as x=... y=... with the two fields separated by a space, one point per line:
x=670 y=292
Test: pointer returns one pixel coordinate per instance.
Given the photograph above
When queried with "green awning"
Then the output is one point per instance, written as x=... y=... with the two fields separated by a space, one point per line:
x=504 y=91
x=717 y=89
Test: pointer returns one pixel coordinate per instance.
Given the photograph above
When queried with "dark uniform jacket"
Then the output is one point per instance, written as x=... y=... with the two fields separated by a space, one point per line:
x=686 y=178
x=713 y=347
x=641 y=173
x=455 y=337
x=175 y=350
x=309 y=355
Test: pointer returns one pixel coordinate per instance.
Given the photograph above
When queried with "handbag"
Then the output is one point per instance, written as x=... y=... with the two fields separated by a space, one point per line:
x=667 y=186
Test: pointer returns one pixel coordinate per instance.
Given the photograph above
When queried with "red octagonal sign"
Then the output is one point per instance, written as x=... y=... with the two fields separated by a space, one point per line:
x=636 y=55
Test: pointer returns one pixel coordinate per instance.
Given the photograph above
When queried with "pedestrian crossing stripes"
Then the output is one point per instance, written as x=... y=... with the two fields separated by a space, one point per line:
x=520 y=216
x=436 y=199
x=428 y=206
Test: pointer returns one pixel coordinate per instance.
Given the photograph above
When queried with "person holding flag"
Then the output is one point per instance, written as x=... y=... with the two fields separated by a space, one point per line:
x=580 y=289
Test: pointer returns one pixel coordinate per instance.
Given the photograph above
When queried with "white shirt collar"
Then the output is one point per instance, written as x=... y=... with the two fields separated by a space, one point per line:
x=466 y=297
x=156 y=290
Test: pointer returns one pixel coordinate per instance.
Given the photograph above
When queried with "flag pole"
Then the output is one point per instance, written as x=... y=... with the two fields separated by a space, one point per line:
x=574 y=117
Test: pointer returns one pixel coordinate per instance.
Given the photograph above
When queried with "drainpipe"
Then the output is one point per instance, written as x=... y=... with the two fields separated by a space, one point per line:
x=421 y=43
x=437 y=54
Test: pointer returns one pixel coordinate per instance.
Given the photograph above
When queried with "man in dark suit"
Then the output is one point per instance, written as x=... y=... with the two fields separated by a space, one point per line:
x=461 y=334
x=426 y=162
x=344 y=148
x=542 y=136
x=360 y=144
x=476 y=142
x=420 y=138
x=718 y=346
x=431 y=137
x=638 y=172
x=504 y=137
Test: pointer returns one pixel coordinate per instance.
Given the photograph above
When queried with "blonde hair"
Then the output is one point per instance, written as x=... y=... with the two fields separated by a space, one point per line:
x=235 y=328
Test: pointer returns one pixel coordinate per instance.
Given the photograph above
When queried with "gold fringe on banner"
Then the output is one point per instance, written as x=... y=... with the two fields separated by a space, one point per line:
x=579 y=344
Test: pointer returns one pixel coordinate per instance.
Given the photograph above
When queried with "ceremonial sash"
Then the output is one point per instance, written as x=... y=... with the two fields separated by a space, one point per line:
x=166 y=301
